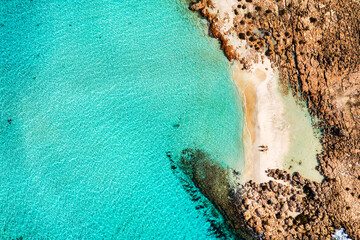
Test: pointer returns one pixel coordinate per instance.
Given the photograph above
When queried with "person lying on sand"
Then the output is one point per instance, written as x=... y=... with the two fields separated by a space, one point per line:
x=263 y=148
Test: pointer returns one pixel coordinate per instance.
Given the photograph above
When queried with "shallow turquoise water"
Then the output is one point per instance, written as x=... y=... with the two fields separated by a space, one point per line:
x=95 y=90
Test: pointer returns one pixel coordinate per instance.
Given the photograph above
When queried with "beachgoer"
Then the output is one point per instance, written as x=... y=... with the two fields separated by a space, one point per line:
x=263 y=148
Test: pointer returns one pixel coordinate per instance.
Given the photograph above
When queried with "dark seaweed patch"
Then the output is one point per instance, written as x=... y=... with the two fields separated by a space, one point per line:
x=187 y=169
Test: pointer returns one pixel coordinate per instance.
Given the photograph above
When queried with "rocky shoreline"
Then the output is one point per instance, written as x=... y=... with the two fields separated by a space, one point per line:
x=316 y=47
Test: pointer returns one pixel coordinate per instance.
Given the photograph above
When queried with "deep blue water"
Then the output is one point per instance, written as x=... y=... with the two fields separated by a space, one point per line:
x=96 y=91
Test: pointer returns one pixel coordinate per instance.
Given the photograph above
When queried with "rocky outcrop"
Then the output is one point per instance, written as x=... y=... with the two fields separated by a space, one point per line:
x=316 y=47
x=288 y=209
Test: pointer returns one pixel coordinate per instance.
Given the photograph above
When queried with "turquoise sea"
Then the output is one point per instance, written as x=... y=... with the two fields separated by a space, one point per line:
x=98 y=92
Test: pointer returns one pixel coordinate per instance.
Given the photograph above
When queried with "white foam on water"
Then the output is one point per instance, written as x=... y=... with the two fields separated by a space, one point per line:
x=340 y=235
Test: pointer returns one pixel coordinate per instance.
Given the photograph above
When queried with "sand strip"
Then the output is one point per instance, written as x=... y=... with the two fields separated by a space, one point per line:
x=264 y=122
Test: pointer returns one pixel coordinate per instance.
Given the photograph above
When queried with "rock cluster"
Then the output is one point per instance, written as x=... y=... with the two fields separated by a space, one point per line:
x=285 y=209
x=316 y=47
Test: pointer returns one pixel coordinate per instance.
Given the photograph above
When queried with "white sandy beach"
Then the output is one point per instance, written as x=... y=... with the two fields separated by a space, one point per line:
x=275 y=121
x=264 y=125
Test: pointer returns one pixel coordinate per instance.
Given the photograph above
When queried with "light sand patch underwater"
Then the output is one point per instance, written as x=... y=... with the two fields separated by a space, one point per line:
x=305 y=143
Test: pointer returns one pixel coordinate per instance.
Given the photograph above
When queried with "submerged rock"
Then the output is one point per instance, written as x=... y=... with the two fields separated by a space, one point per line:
x=214 y=182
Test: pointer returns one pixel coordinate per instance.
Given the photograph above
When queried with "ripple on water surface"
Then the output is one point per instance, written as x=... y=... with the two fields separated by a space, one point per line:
x=94 y=90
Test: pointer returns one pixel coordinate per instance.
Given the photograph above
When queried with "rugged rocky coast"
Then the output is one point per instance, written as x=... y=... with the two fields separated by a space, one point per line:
x=316 y=47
